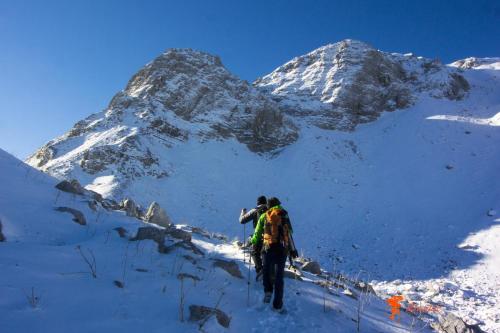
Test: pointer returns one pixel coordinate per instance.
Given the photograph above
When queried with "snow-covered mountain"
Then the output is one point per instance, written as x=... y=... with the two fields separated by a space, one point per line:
x=396 y=195
x=114 y=273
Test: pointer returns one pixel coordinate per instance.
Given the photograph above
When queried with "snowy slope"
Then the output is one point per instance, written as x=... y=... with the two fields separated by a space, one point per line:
x=46 y=286
x=391 y=194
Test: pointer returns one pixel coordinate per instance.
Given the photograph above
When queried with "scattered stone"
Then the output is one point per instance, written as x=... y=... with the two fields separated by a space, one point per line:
x=492 y=212
x=142 y=270
x=151 y=233
x=219 y=237
x=157 y=215
x=96 y=196
x=449 y=167
x=122 y=232
x=355 y=246
x=2 y=237
x=189 y=246
x=92 y=205
x=229 y=266
x=110 y=204
x=364 y=287
x=182 y=276
x=71 y=187
x=178 y=234
x=293 y=274
x=78 y=216
x=130 y=208
x=453 y=324
x=119 y=284
x=190 y=259
x=312 y=267
x=200 y=231
x=467 y=132
x=199 y=313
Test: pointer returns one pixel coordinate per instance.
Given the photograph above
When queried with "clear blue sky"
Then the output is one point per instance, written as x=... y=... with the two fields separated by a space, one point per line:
x=63 y=60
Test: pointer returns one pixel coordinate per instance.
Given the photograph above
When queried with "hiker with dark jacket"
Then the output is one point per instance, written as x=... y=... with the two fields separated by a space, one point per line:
x=274 y=230
x=253 y=215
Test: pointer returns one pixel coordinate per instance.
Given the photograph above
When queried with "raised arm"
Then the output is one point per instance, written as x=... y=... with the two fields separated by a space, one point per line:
x=247 y=217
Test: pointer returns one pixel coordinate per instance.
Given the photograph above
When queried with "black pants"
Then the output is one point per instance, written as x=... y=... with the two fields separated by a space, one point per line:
x=257 y=256
x=275 y=256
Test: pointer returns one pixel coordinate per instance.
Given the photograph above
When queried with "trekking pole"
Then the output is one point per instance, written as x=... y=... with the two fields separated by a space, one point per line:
x=244 y=242
x=248 y=281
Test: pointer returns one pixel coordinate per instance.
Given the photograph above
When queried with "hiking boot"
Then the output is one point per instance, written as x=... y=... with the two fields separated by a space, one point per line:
x=279 y=310
x=258 y=276
x=267 y=297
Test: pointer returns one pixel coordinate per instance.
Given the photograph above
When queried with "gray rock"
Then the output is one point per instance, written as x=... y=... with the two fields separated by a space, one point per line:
x=73 y=187
x=178 y=233
x=157 y=215
x=182 y=276
x=122 y=232
x=312 y=267
x=130 y=208
x=2 y=237
x=453 y=324
x=110 y=204
x=78 y=216
x=200 y=313
x=229 y=266
x=293 y=274
x=151 y=233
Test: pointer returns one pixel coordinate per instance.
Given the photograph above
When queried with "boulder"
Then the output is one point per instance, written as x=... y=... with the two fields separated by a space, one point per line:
x=178 y=233
x=130 y=208
x=122 y=232
x=200 y=313
x=2 y=237
x=73 y=187
x=151 y=233
x=312 y=267
x=157 y=215
x=78 y=216
x=453 y=324
x=293 y=274
x=110 y=204
x=229 y=266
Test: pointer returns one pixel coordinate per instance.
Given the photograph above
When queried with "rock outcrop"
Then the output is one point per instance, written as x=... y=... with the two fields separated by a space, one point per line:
x=200 y=313
x=130 y=208
x=157 y=215
x=78 y=216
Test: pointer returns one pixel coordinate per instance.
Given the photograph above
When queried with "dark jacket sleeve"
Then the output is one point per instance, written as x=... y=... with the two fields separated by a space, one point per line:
x=249 y=216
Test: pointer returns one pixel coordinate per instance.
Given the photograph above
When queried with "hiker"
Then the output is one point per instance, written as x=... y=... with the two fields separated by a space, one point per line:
x=253 y=215
x=274 y=230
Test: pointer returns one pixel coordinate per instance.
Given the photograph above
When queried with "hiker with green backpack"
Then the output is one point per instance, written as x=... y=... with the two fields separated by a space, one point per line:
x=274 y=230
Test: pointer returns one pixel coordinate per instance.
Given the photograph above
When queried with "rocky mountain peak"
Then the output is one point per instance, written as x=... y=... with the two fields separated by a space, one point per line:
x=341 y=85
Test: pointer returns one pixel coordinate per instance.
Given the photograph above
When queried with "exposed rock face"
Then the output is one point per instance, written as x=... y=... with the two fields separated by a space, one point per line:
x=200 y=313
x=157 y=215
x=181 y=94
x=78 y=216
x=341 y=85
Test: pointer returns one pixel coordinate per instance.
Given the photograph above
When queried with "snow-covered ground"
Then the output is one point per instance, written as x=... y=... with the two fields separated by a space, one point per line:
x=46 y=285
